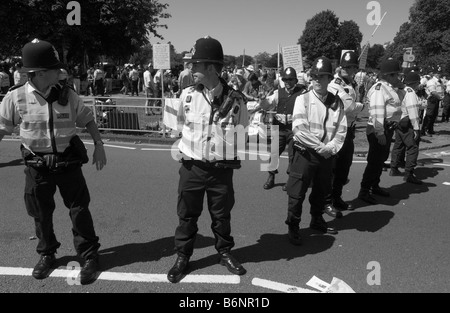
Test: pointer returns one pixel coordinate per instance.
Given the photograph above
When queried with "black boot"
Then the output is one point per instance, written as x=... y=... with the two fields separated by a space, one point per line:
x=179 y=269
x=44 y=266
x=89 y=271
x=270 y=183
x=294 y=235
x=319 y=224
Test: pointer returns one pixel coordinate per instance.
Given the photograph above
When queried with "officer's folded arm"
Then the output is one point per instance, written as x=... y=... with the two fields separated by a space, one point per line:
x=99 y=157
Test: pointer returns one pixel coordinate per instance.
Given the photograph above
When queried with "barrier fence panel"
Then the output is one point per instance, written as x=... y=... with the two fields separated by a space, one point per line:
x=128 y=114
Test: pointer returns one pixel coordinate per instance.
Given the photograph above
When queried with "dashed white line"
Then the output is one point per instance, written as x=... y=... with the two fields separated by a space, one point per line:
x=279 y=287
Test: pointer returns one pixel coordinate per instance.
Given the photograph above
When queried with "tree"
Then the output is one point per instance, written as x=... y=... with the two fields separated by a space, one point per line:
x=374 y=57
x=262 y=58
x=350 y=36
x=320 y=36
x=113 y=28
x=427 y=32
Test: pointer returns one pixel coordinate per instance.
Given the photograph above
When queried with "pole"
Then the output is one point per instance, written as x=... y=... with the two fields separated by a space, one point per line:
x=243 y=59
x=279 y=61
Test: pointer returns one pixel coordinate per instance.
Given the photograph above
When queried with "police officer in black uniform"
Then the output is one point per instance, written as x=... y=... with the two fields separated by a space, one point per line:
x=48 y=116
x=209 y=112
x=319 y=127
x=282 y=100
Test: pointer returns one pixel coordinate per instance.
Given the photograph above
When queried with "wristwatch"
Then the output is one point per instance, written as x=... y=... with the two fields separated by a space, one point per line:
x=99 y=142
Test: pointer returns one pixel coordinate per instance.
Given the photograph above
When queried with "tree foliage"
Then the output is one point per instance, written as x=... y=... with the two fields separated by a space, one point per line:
x=113 y=28
x=350 y=36
x=428 y=33
x=320 y=35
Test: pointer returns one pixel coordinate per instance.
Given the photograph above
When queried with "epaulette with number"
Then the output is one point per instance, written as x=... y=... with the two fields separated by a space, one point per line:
x=338 y=81
x=409 y=89
x=15 y=87
x=378 y=87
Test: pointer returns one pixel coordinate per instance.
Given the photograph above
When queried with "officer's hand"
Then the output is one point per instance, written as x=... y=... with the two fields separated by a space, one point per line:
x=325 y=152
x=99 y=157
x=382 y=139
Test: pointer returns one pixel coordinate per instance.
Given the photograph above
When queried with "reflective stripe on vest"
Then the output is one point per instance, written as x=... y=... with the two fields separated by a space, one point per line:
x=35 y=127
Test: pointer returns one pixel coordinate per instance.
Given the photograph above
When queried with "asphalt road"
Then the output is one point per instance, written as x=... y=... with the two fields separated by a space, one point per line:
x=401 y=245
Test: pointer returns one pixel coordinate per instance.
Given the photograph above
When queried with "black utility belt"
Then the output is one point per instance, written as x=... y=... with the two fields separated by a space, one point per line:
x=232 y=164
x=51 y=162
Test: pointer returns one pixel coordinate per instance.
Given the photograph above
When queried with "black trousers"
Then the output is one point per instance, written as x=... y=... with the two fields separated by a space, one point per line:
x=307 y=168
x=40 y=188
x=404 y=142
x=194 y=182
x=286 y=137
x=377 y=155
x=341 y=167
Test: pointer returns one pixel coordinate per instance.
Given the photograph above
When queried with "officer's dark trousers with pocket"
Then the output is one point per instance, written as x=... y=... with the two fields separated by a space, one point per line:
x=306 y=168
x=404 y=140
x=341 y=166
x=40 y=188
x=194 y=182
x=285 y=137
x=376 y=157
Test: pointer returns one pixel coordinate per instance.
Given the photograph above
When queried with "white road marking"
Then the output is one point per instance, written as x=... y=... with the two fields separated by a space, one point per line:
x=280 y=287
x=112 y=146
x=130 y=277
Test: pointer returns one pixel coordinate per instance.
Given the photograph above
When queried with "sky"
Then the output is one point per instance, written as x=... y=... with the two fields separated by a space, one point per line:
x=261 y=25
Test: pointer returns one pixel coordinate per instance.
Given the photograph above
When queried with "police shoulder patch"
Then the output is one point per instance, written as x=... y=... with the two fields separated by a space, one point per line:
x=16 y=87
x=378 y=87
x=338 y=81
x=409 y=89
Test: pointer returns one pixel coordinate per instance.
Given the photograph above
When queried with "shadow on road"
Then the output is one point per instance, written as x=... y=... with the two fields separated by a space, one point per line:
x=363 y=221
x=403 y=190
x=12 y=163
x=145 y=252
x=273 y=247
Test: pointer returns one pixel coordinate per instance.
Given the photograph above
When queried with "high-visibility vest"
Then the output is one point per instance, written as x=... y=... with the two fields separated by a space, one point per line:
x=44 y=131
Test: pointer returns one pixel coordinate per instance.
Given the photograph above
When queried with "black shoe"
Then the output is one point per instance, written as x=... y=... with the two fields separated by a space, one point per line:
x=88 y=273
x=380 y=192
x=332 y=211
x=395 y=172
x=411 y=178
x=294 y=235
x=179 y=269
x=340 y=204
x=44 y=266
x=270 y=183
x=226 y=259
x=319 y=224
x=366 y=197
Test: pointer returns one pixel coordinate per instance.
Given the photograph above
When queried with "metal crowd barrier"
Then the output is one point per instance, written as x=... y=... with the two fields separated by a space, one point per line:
x=128 y=114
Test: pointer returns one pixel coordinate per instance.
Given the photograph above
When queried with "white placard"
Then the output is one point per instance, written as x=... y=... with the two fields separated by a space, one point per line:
x=292 y=57
x=161 y=56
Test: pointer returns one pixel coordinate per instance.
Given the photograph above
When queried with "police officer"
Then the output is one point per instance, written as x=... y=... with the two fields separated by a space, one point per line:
x=385 y=112
x=319 y=126
x=407 y=135
x=344 y=86
x=282 y=100
x=210 y=114
x=48 y=116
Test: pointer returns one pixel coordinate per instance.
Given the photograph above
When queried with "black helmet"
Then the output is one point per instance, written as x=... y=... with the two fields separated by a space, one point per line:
x=206 y=49
x=390 y=66
x=350 y=58
x=412 y=77
x=40 y=55
x=322 y=66
x=288 y=73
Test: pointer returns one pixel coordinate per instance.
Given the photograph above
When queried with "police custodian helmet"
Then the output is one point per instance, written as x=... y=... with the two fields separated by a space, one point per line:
x=206 y=49
x=412 y=77
x=289 y=73
x=322 y=66
x=390 y=66
x=39 y=55
x=349 y=59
